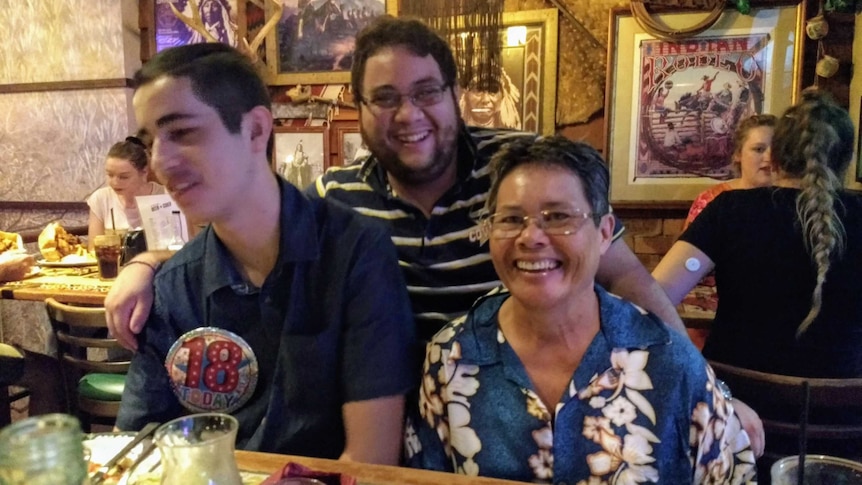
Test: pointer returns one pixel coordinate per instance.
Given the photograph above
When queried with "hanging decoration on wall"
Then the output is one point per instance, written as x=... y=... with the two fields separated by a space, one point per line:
x=661 y=31
x=817 y=28
x=310 y=102
x=473 y=29
x=204 y=30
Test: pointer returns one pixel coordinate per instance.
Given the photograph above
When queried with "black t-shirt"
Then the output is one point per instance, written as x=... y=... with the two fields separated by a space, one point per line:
x=765 y=278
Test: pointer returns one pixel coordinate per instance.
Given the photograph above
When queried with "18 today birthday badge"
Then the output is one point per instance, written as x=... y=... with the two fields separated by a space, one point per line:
x=212 y=369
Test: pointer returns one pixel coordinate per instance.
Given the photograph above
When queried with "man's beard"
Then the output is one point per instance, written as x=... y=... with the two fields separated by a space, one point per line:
x=441 y=159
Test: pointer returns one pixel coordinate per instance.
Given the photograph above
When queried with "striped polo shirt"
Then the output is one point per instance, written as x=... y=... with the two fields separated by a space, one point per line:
x=445 y=266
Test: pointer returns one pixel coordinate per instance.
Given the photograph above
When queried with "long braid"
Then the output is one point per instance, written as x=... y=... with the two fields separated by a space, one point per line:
x=822 y=230
x=813 y=143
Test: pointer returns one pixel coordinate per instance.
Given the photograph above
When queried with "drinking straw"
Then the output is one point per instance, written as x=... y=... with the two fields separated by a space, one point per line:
x=113 y=224
x=803 y=433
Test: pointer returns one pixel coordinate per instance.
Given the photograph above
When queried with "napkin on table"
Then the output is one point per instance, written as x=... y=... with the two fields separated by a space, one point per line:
x=292 y=470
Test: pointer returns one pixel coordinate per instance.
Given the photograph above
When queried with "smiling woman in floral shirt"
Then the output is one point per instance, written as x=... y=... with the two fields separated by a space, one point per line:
x=556 y=380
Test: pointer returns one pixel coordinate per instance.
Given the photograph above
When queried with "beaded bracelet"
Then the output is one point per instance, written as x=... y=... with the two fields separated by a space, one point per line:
x=154 y=267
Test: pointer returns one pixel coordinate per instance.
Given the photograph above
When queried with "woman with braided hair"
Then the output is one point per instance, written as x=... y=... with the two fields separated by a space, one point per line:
x=787 y=258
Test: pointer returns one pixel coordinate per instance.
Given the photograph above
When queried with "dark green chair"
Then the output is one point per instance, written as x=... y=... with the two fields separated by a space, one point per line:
x=94 y=387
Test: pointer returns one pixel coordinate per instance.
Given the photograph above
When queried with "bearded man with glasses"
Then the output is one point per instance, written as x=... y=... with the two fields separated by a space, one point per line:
x=427 y=177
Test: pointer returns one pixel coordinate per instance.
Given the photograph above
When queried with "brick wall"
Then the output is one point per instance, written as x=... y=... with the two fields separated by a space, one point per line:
x=650 y=238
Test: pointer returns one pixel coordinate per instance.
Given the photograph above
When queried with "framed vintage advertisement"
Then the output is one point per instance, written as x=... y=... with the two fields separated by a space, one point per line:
x=672 y=106
x=219 y=18
x=301 y=153
x=313 y=44
x=525 y=98
x=347 y=141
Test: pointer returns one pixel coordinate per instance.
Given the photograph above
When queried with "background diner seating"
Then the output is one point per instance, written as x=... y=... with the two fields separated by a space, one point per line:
x=94 y=386
x=834 y=407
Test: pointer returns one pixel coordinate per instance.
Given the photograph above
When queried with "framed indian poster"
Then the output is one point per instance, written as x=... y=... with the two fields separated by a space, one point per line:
x=670 y=120
x=218 y=17
x=525 y=96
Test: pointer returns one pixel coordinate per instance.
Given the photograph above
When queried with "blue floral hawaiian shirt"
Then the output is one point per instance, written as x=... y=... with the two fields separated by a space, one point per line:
x=640 y=408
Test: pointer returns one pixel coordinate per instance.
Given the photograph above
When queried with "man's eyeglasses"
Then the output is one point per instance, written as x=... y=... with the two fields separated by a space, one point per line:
x=422 y=97
x=505 y=225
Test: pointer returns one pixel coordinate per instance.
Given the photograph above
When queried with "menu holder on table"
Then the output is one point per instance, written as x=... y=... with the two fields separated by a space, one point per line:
x=165 y=226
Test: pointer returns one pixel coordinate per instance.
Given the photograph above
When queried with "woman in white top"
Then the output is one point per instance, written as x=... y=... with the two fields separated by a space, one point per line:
x=126 y=170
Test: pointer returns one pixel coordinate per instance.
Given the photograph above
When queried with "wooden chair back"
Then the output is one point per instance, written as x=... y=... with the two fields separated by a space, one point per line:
x=80 y=331
x=11 y=369
x=834 y=410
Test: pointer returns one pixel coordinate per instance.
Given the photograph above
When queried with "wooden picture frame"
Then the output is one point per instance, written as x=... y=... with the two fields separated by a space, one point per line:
x=672 y=107
x=859 y=145
x=527 y=94
x=347 y=141
x=310 y=144
x=322 y=50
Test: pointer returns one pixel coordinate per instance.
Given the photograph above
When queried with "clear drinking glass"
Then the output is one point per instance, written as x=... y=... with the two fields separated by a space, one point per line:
x=819 y=469
x=43 y=450
x=199 y=450
x=109 y=248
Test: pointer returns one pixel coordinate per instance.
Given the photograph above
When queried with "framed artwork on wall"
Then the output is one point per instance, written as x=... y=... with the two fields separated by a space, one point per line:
x=859 y=146
x=301 y=153
x=347 y=141
x=525 y=97
x=314 y=44
x=219 y=17
x=672 y=106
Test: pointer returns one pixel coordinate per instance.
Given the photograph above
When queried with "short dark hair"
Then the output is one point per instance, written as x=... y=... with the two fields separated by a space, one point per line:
x=413 y=34
x=221 y=77
x=556 y=151
x=131 y=149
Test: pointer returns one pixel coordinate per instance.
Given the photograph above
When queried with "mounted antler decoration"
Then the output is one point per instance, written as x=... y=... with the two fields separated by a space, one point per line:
x=248 y=48
x=302 y=94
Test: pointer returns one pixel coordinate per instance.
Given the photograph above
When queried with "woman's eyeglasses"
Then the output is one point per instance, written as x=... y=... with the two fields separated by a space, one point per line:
x=505 y=225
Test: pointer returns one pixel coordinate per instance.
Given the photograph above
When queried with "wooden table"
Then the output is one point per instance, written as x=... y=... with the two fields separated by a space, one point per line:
x=365 y=474
x=697 y=309
x=68 y=285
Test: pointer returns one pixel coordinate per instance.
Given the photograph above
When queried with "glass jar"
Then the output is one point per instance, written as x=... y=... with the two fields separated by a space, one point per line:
x=43 y=450
x=199 y=450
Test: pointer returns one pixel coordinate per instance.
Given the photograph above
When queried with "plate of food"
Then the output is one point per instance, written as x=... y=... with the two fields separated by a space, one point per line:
x=60 y=249
x=101 y=447
x=71 y=261
x=10 y=241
